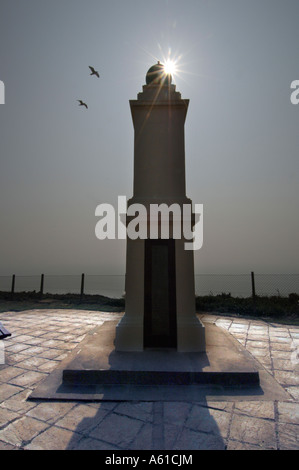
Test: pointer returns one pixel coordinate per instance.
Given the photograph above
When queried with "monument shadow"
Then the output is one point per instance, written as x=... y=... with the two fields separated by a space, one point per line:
x=158 y=425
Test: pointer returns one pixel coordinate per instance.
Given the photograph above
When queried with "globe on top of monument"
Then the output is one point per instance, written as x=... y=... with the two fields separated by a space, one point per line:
x=157 y=75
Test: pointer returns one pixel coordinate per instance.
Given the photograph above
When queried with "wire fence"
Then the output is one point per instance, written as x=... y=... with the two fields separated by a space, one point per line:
x=247 y=285
x=107 y=285
x=237 y=285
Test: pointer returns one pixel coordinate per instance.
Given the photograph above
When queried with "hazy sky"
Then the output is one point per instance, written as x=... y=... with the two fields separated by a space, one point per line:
x=59 y=161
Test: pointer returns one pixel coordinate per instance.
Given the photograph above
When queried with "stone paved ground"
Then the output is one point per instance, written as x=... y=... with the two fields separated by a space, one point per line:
x=42 y=338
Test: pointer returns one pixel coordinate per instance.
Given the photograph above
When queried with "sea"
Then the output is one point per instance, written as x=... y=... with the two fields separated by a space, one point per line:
x=113 y=285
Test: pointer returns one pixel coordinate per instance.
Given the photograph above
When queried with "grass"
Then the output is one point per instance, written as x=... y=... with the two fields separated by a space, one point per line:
x=34 y=300
x=282 y=309
x=264 y=307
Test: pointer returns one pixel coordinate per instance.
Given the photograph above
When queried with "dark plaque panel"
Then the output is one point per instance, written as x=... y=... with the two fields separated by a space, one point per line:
x=160 y=294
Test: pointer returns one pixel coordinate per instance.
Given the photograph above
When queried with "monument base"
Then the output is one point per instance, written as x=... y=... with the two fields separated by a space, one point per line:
x=129 y=336
x=190 y=336
x=99 y=363
x=94 y=370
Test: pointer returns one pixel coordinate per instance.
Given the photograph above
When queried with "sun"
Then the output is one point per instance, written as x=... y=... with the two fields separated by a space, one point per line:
x=170 y=63
x=170 y=67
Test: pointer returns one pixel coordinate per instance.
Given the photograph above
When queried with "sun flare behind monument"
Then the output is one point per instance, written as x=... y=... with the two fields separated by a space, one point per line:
x=170 y=67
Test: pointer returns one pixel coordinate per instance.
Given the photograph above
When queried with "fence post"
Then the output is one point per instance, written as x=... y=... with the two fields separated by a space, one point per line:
x=82 y=285
x=252 y=284
x=41 y=291
x=13 y=285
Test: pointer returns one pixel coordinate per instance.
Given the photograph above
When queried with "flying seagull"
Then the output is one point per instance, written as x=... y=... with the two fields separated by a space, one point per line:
x=82 y=104
x=94 y=72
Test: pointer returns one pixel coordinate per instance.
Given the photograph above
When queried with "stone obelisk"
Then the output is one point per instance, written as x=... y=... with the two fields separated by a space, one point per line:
x=160 y=292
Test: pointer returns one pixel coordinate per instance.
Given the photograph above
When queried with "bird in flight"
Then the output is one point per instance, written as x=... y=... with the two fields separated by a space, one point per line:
x=82 y=104
x=94 y=72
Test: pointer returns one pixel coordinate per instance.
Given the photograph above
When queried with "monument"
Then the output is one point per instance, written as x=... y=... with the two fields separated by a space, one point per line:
x=160 y=292
x=159 y=350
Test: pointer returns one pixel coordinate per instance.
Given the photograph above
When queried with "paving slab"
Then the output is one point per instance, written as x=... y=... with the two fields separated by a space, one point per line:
x=261 y=421
x=95 y=371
